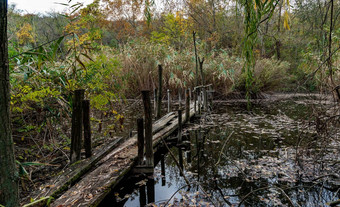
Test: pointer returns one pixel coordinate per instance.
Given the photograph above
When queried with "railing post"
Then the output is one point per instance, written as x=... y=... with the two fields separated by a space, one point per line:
x=150 y=188
x=87 y=128
x=210 y=96
x=179 y=125
x=77 y=125
x=195 y=102
x=199 y=101
x=168 y=92
x=163 y=170
x=155 y=102
x=140 y=140
x=159 y=101
x=205 y=99
x=148 y=128
x=187 y=105
x=179 y=98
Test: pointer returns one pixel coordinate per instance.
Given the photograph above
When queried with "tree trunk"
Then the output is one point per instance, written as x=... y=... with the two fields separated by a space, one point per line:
x=278 y=42
x=9 y=195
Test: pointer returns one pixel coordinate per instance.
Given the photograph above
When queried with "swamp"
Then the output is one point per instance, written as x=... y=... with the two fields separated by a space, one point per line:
x=169 y=103
x=232 y=157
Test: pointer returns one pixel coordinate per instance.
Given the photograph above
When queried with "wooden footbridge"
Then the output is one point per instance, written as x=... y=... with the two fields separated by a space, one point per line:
x=87 y=182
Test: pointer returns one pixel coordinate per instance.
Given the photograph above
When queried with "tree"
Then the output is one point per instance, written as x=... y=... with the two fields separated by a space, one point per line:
x=9 y=195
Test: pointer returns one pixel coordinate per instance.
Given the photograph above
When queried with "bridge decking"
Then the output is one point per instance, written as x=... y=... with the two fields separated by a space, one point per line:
x=95 y=185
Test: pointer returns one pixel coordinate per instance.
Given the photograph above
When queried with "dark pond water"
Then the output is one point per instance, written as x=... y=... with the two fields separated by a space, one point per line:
x=235 y=157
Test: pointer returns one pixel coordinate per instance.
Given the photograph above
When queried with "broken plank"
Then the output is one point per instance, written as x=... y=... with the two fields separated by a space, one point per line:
x=69 y=176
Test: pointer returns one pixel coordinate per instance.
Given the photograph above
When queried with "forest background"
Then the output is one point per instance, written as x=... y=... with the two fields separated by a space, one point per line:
x=111 y=48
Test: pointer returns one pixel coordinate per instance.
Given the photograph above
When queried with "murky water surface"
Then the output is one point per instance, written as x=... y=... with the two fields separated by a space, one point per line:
x=271 y=156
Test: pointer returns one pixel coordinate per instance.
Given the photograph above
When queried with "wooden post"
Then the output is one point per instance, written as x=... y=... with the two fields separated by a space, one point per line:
x=179 y=98
x=180 y=160
x=179 y=125
x=205 y=99
x=150 y=187
x=77 y=125
x=140 y=140
x=87 y=128
x=159 y=101
x=155 y=102
x=199 y=101
x=187 y=105
x=195 y=102
x=189 y=156
x=190 y=98
x=142 y=195
x=210 y=95
x=168 y=91
x=148 y=128
x=163 y=170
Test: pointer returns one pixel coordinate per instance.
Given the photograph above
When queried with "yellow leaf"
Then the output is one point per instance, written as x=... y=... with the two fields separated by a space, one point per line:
x=286 y=21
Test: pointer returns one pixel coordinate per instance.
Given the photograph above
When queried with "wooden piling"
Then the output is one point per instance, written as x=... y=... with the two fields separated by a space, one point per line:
x=77 y=125
x=210 y=94
x=163 y=170
x=179 y=98
x=150 y=186
x=195 y=102
x=187 y=105
x=87 y=128
x=189 y=156
x=159 y=101
x=142 y=195
x=179 y=125
x=180 y=160
x=155 y=102
x=148 y=128
x=168 y=92
x=140 y=140
x=199 y=101
x=205 y=99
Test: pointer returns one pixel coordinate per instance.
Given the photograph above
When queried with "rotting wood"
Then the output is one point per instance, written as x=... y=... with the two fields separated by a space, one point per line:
x=179 y=125
x=169 y=101
x=96 y=185
x=205 y=99
x=140 y=140
x=69 y=176
x=187 y=105
x=179 y=98
x=155 y=102
x=148 y=128
x=77 y=125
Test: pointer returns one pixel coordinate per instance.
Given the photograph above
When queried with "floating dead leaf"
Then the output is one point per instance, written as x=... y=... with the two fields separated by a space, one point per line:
x=142 y=182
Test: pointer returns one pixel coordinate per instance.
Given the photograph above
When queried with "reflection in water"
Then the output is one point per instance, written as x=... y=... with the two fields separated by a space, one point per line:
x=142 y=195
x=163 y=170
x=180 y=159
x=255 y=166
x=151 y=190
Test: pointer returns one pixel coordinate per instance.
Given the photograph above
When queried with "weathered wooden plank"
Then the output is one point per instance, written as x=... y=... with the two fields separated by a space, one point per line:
x=69 y=176
x=97 y=184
